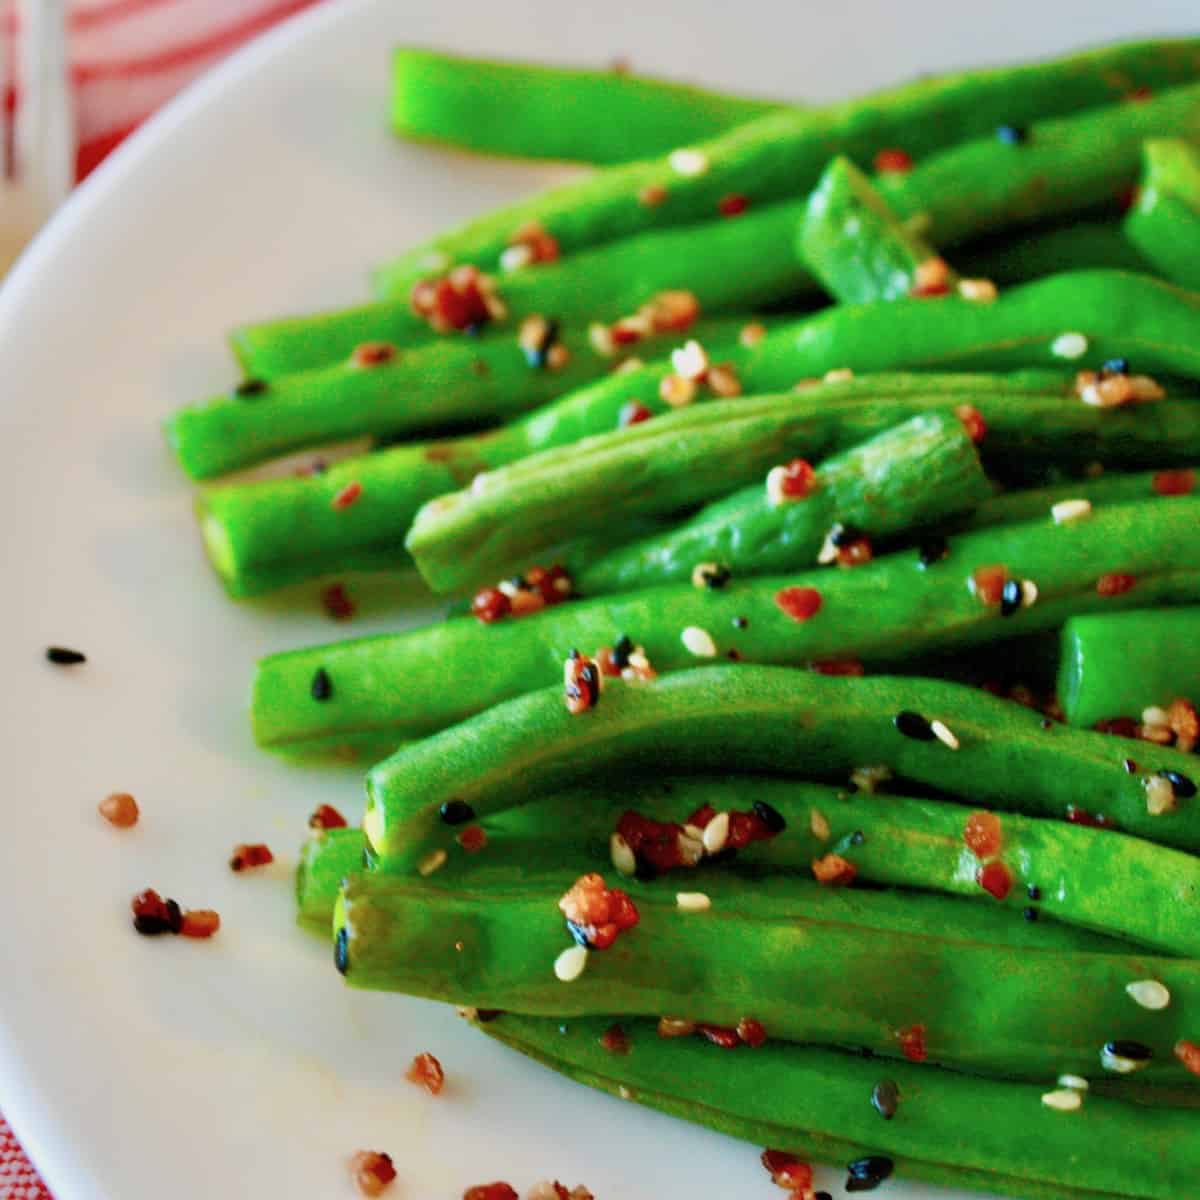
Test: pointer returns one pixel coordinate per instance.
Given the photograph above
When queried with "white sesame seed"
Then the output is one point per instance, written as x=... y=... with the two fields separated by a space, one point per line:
x=838 y=375
x=699 y=642
x=694 y=832
x=629 y=365
x=570 y=963
x=1149 y=993
x=775 y=478
x=716 y=833
x=673 y=1027
x=624 y=1093
x=688 y=163
x=1154 y=715
x=433 y=861
x=622 y=855
x=1160 y=795
x=1069 y=345
x=1067 y=512
x=828 y=552
x=1065 y=1100
x=944 y=734
x=752 y=334
x=692 y=901
x=691 y=849
x=1076 y=1083
x=509 y=588
x=690 y=360
x=819 y=824
x=1118 y=1063
x=516 y=257
x=981 y=291
x=1029 y=593
x=601 y=339
x=638 y=660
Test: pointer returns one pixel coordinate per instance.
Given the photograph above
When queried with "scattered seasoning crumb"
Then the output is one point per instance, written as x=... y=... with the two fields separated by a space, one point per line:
x=246 y=857
x=984 y=835
x=456 y=812
x=1160 y=795
x=597 y=914
x=912 y=1043
x=1063 y=1100
x=347 y=496
x=838 y=375
x=751 y=1032
x=1069 y=345
x=1029 y=913
x=372 y=354
x=1010 y=597
x=710 y=575
x=1012 y=135
x=931 y=277
x=322 y=685
x=893 y=161
x=723 y=381
x=834 y=871
x=988 y=582
x=336 y=602
x=200 y=923
x=581 y=683
x=472 y=839
x=673 y=1027
x=978 y=291
x=793 y=480
x=60 y=656
x=944 y=734
x=652 y=195
x=688 y=163
x=1184 y=788
x=699 y=642
x=1076 y=1083
x=752 y=334
x=1149 y=993
x=692 y=901
x=569 y=965
x=819 y=824
x=615 y=1040
x=249 y=388
x=732 y=205
x=326 y=817
x=633 y=413
x=623 y=858
x=1029 y=593
x=425 y=1071
x=798 y=603
x=885 y=1098
x=433 y=861
x=372 y=1171
x=676 y=391
x=1125 y=1057
x=1174 y=483
x=787 y=1171
x=1188 y=1053
x=912 y=725
x=1067 y=512
x=995 y=879
x=870 y=779
x=119 y=809
x=866 y=1174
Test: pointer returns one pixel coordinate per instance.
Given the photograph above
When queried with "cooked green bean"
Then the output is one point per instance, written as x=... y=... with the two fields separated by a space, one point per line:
x=1164 y=223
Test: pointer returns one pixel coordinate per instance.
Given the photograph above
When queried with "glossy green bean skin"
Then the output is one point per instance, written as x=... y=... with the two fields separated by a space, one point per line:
x=769 y=719
x=1116 y=886
x=951 y=1129
x=390 y=688
x=779 y=156
x=534 y=111
x=805 y=981
x=855 y=244
x=728 y=265
x=1033 y=254
x=1117 y=666
x=916 y=475
x=1164 y=222
x=441 y=385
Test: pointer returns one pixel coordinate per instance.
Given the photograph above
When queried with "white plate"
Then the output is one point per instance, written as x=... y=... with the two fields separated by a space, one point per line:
x=137 y=1070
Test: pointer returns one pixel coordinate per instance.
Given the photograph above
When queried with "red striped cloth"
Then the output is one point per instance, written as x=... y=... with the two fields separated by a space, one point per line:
x=126 y=57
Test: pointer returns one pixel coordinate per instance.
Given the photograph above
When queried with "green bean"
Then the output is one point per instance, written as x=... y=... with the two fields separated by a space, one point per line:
x=785 y=721
x=1118 y=666
x=780 y=155
x=803 y=981
x=1164 y=223
x=950 y=1129
x=1038 y=252
x=388 y=688
x=915 y=475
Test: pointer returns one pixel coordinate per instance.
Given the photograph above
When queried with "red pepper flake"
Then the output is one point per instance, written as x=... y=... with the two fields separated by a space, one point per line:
x=652 y=195
x=1184 y=723
x=347 y=496
x=931 y=277
x=1188 y=1053
x=798 y=479
x=200 y=923
x=490 y=1191
x=893 y=160
x=1140 y=95
x=838 y=666
x=615 y=1040
x=633 y=413
x=463 y=299
x=1118 y=726
x=655 y=843
x=472 y=839
x=373 y=1171
x=326 y=817
x=912 y=1043
x=599 y=912
x=153 y=915
x=425 y=1071
x=581 y=683
x=336 y=602
x=787 y=1171
x=1174 y=483
x=799 y=603
x=996 y=879
x=834 y=871
x=732 y=205
x=542 y=245
x=1081 y=816
x=372 y=354
x=554 y=583
x=983 y=834
x=119 y=809
x=856 y=553
x=247 y=856
x=1115 y=583
x=972 y=421
x=926 y=290
x=751 y=1032
x=490 y=605
x=673 y=311
x=720 y=1035
x=988 y=583
x=606 y=663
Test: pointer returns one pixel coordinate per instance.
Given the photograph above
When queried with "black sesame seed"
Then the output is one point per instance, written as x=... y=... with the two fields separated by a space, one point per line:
x=843 y=535
x=322 y=685
x=822 y=1196
x=534 y=357
x=1030 y=914
x=1010 y=597
x=1033 y=892
x=770 y=816
x=174 y=916
x=518 y=582
x=574 y=655
x=885 y=1098
x=1134 y=1051
x=550 y=335
x=866 y=1174
x=578 y=933
x=932 y=550
x=341 y=950
x=857 y=838
x=622 y=650
x=1012 y=135
x=716 y=577
x=456 y=812
x=1130 y=766
x=1185 y=789
x=1115 y=366
x=913 y=725
x=474 y=329
x=590 y=675
x=250 y=387
x=1047 y=723
x=740 y=622
x=62 y=657
x=149 y=925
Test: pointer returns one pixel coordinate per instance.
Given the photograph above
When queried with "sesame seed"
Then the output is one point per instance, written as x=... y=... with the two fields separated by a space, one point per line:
x=699 y=642
x=710 y=575
x=690 y=360
x=944 y=734
x=569 y=965
x=1124 y=1058
x=871 y=1171
x=775 y=493
x=433 y=861
x=1029 y=913
x=1069 y=345
x=688 y=163
x=60 y=656
x=690 y=849
x=624 y=1093
x=1160 y=795
x=1149 y=993
x=677 y=391
x=692 y=901
x=1185 y=789
x=600 y=338
x=1063 y=1100
x=516 y=257
x=913 y=725
x=819 y=824
x=456 y=812
x=322 y=685
x=1154 y=715
x=752 y=334
x=1033 y=892
x=770 y=816
x=885 y=1098
x=979 y=291
x=623 y=858
x=1029 y=593
x=716 y=833
x=1012 y=135
x=1067 y=512
x=1076 y=1083
x=249 y=388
